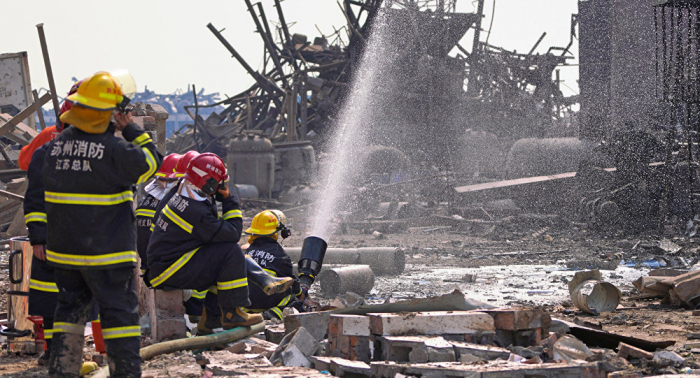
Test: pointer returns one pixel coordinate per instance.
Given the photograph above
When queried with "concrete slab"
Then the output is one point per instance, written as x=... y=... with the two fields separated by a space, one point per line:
x=430 y=323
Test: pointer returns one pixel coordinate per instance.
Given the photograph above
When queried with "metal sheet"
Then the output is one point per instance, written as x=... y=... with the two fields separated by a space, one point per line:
x=15 y=84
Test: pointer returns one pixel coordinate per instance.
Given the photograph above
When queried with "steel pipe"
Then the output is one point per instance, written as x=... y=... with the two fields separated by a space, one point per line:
x=382 y=260
x=358 y=279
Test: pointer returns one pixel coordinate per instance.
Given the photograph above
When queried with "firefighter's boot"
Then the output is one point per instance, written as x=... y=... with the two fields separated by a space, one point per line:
x=66 y=357
x=269 y=284
x=238 y=318
x=207 y=324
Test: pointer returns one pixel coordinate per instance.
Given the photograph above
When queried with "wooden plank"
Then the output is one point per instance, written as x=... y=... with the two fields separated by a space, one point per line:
x=687 y=286
x=515 y=182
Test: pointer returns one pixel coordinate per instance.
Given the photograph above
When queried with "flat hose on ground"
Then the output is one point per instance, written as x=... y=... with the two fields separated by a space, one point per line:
x=200 y=342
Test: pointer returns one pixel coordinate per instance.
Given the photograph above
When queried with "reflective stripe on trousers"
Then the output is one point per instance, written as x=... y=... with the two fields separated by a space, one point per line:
x=43 y=285
x=172 y=269
x=75 y=329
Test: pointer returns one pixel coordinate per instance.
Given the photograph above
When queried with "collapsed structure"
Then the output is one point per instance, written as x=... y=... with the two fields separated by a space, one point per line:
x=486 y=124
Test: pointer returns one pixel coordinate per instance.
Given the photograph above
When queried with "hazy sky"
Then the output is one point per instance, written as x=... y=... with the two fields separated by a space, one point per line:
x=166 y=45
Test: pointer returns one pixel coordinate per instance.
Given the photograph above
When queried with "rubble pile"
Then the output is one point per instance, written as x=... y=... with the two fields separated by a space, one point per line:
x=486 y=342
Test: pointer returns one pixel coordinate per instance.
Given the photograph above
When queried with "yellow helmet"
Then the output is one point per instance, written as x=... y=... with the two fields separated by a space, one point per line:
x=264 y=224
x=100 y=91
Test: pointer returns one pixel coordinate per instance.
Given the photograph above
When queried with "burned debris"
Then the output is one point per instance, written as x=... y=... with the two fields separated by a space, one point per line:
x=563 y=227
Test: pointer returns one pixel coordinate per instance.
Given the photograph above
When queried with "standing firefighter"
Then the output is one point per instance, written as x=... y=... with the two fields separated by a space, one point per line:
x=264 y=231
x=89 y=176
x=192 y=248
x=42 y=284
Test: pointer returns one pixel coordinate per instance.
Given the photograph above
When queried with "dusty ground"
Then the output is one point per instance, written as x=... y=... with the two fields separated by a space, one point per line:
x=518 y=259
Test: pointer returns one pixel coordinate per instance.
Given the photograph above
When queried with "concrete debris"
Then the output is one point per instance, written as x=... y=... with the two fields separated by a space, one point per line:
x=295 y=349
x=431 y=323
x=314 y=322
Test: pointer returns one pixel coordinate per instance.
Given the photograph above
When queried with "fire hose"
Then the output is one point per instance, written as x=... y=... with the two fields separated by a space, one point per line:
x=200 y=342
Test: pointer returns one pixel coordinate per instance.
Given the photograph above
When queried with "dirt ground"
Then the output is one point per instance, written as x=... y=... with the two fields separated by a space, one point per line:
x=518 y=259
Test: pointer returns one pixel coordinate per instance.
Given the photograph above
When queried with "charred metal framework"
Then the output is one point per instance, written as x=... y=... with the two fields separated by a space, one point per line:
x=677 y=24
x=303 y=82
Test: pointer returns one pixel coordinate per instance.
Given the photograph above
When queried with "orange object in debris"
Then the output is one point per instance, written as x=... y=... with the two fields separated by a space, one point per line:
x=25 y=155
x=97 y=336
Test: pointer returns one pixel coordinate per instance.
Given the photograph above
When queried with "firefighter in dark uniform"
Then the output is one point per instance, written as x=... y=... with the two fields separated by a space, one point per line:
x=155 y=190
x=160 y=186
x=42 y=284
x=192 y=248
x=194 y=306
x=264 y=231
x=89 y=177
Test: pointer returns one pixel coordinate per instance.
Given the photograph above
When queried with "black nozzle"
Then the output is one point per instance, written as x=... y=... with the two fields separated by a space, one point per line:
x=312 y=253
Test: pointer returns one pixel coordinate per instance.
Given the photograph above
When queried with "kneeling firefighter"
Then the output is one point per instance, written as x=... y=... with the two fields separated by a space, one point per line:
x=152 y=207
x=192 y=248
x=264 y=231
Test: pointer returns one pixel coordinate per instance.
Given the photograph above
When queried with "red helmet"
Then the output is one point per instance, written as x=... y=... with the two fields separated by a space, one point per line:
x=184 y=161
x=206 y=171
x=66 y=106
x=167 y=169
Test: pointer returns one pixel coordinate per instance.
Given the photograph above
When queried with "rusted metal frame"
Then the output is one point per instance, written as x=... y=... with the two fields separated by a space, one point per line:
x=292 y=112
x=269 y=46
x=49 y=71
x=283 y=22
x=261 y=115
x=656 y=52
x=264 y=83
x=228 y=132
x=196 y=116
x=665 y=55
x=268 y=31
x=9 y=161
x=532 y=50
x=350 y=24
x=280 y=118
x=303 y=107
x=697 y=55
x=249 y=111
x=39 y=112
x=288 y=43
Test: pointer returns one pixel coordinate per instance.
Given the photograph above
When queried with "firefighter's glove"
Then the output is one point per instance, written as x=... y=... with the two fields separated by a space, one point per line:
x=222 y=193
x=304 y=294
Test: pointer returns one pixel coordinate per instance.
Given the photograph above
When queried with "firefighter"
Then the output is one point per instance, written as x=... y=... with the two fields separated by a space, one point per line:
x=165 y=180
x=42 y=285
x=155 y=190
x=194 y=306
x=264 y=231
x=89 y=176
x=192 y=248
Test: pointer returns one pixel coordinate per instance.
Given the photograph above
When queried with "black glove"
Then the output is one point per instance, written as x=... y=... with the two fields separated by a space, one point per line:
x=219 y=196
